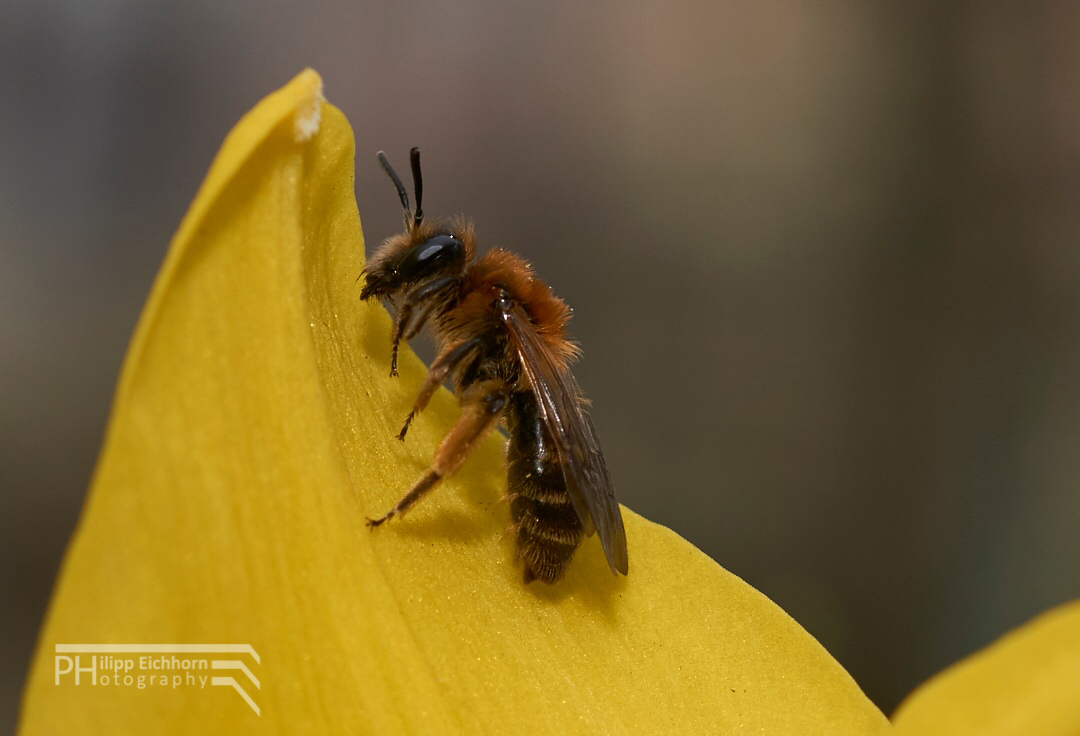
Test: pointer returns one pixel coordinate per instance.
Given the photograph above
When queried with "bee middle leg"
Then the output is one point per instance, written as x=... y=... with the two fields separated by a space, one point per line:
x=482 y=406
x=440 y=370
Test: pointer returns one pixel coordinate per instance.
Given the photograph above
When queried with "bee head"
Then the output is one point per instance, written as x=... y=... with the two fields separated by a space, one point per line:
x=409 y=259
x=424 y=252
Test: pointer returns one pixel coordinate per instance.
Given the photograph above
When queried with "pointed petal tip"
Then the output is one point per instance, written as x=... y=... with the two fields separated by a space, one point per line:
x=308 y=114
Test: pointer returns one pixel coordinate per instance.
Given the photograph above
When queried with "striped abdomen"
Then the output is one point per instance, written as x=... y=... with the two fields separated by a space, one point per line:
x=547 y=527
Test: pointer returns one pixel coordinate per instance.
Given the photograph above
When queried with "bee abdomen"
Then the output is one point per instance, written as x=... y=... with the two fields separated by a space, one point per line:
x=546 y=522
x=548 y=529
x=547 y=536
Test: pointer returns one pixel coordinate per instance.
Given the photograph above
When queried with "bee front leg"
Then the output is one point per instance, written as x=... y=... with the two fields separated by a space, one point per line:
x=400 y=320
x=405 y=327
x=482 y=406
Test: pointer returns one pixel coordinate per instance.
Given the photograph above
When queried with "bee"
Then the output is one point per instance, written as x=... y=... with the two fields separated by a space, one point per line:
x=501 y=340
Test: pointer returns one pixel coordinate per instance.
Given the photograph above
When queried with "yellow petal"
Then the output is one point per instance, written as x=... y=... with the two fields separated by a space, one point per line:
x=1027 y=683
x=253 y=431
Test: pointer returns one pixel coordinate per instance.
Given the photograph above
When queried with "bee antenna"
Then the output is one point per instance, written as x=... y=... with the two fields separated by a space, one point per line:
x=402 y=195
x=418 y=185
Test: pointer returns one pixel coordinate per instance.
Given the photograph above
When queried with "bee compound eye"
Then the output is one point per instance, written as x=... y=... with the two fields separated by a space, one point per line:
x=441 y=247
x=430 y=257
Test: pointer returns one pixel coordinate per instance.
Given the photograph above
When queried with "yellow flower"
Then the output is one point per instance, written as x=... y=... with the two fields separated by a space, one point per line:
x=1026 y=683
x=252 y=432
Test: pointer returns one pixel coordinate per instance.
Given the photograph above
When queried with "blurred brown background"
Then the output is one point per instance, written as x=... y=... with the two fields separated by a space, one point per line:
x=823 y=256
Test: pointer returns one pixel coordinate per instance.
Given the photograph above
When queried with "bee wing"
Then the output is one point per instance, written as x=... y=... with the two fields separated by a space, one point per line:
x=587 y=477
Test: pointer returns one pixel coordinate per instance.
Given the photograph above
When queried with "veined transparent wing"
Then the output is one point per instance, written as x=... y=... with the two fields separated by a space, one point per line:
x=560 y=401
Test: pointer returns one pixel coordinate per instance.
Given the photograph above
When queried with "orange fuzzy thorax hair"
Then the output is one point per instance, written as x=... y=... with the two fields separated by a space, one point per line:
x=502 y=269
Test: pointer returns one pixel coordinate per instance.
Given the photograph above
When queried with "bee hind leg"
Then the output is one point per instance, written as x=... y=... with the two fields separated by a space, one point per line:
x=482 y=406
